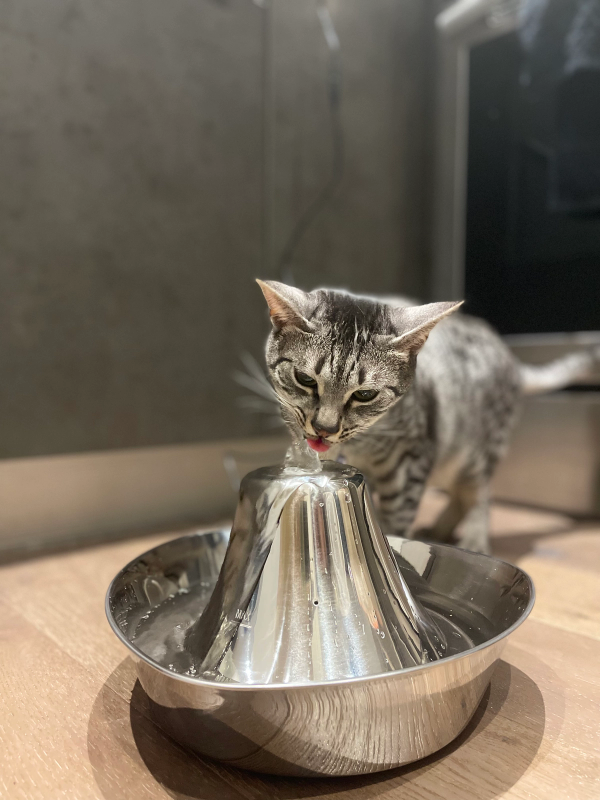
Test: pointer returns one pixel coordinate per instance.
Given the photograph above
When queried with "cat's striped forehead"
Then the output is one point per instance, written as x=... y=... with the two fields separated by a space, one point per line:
x=343 y=349
x=347 y=315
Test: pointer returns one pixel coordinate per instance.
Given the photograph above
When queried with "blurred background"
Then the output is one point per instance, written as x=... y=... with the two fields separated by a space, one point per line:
x=156 y=157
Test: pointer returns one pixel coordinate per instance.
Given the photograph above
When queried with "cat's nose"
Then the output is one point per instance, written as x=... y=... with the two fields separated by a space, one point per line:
x=327 y=430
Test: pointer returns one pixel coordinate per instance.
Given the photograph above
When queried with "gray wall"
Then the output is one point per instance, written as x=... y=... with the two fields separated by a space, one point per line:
x=373 y=235
x=134 y=211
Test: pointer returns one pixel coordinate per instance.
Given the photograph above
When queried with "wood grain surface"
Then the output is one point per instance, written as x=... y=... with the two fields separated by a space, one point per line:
x=74 y=724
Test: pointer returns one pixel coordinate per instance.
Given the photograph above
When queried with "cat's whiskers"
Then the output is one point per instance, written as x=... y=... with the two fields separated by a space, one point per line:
x=291 y=407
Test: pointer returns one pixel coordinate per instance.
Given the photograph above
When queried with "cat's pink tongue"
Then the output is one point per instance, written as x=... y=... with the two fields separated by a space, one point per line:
x=319 y=445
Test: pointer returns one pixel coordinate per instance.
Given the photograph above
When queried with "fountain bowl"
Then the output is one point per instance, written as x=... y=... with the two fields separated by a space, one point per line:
x=329 y=728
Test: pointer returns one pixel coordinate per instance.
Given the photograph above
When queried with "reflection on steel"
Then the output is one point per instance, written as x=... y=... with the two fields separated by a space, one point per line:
x=330 y=727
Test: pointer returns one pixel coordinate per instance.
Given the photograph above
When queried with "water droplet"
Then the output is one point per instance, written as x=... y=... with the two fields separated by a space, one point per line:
x=345 y=483
x=321 y=504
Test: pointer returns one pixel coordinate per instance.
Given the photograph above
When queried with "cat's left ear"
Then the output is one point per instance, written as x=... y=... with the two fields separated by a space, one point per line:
x=415 y=323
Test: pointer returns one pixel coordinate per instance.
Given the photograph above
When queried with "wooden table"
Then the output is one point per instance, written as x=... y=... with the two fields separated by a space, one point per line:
x=73 y=723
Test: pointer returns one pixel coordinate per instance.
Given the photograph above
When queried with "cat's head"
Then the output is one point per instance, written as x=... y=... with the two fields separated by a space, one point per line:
x=338 y=362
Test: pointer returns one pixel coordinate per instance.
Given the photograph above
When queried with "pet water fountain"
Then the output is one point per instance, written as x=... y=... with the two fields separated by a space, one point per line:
x=305 y=642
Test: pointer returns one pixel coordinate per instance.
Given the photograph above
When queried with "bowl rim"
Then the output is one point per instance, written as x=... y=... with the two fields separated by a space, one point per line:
x=245 y=687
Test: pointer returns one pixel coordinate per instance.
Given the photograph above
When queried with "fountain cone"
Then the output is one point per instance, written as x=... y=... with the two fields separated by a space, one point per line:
x=309 y=589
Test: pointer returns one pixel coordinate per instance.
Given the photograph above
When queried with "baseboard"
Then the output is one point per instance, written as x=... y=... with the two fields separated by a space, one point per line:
x=68 y=499
x=554 y=457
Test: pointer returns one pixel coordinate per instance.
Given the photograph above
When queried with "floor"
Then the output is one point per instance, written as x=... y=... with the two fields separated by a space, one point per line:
x=73 y=723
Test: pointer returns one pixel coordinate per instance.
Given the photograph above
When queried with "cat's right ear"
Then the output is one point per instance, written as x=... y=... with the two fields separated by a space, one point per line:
x=288 y=306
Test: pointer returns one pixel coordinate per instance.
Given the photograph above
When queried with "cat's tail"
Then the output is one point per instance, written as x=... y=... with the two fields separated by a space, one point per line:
x=537 y=379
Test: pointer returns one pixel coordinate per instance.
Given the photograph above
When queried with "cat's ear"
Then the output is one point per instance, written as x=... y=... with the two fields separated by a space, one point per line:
x=288 y=306
x=415 y=323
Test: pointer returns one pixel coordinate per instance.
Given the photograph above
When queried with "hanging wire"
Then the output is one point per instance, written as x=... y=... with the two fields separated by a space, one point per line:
x=334 y=95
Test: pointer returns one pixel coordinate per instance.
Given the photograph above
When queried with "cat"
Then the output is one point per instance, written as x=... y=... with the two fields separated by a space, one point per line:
x=408 y=394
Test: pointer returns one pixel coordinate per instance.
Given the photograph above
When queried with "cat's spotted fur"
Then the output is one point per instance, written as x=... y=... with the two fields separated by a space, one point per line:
x=445 y=415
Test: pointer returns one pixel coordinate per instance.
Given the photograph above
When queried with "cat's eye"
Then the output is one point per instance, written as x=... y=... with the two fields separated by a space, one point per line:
x=304 y=379
x=363 y=395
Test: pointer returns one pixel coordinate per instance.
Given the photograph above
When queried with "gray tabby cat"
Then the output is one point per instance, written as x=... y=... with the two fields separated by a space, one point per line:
x=346 y=374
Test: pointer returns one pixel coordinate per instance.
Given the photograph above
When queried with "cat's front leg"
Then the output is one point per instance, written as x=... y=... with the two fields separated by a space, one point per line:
x=400 y=482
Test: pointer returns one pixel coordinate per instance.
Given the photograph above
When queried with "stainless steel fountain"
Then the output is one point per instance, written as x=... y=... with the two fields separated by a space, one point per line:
x=310 y=645
x=309 y=589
